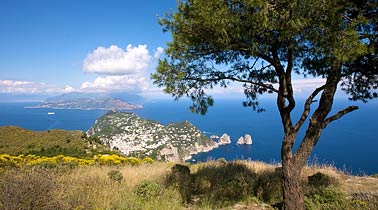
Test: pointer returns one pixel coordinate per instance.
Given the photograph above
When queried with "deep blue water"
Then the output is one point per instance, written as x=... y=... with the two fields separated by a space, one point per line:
x=38 y=119
x=350 y=143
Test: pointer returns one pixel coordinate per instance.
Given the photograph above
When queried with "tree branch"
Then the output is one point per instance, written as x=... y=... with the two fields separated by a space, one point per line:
x=267 y=58
x=263 y=56
x=290 y=61
x=339 y=115
x=289 y=86
x=254 y=63
x=306 y=110
x=283 y=94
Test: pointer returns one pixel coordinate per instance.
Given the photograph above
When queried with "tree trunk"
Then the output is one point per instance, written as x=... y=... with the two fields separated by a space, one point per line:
x=291 y=184
x=291 y=176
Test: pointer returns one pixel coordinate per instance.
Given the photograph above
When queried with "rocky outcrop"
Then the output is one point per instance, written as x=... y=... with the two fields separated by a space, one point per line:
x=135 y=136
x=224 y=139
x=240 y=140
x=247 y=139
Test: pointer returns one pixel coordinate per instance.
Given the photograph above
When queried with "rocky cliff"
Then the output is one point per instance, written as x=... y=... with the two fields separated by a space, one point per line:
x=224 y=139
x=135 y=136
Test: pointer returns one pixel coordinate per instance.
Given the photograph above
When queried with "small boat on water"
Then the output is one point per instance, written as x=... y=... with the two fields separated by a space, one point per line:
x=50 y=113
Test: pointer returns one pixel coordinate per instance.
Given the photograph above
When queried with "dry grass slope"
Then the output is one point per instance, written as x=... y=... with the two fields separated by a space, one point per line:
x=215 y=185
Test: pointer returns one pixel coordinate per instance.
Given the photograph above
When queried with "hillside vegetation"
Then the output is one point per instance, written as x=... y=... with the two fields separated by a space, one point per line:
x=64 y=170
x=145 y=184
x=16 y=140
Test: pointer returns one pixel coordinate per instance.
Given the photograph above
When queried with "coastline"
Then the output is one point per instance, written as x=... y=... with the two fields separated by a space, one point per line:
x=338 y=147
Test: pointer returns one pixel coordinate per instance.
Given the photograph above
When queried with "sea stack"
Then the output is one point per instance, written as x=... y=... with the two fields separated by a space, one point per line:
x=240 y=140
x=224 y=139
x=247 y=139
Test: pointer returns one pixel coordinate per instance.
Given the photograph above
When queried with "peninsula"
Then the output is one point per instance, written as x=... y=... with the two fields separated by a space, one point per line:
x=87 y=102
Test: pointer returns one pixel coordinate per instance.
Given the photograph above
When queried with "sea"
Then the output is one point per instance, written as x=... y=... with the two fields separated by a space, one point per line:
x=349 y=144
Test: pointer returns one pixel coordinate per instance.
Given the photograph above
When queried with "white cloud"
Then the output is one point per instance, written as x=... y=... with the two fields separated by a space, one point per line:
x=12 y=83
x=302 y=87
x=116 y=61
x=121 y=70
x=132 y=83
x=16 y=86
x=19 y=86
x=307 y=86
x=158 y=52
x=153 y=92
x=68 y=89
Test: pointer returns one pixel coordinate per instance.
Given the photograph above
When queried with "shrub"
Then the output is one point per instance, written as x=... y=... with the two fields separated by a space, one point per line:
x=147 y=190
x=326 y=198
x=148 y=160
x=224 y=182
x=361 y=200
x=66 y=161
x=236 y=187
x=9 y=161
x=114 y=159
x=375 y=176
x=115 y=175
x=180 y=177
x=321 y=180
x=132 y=161
x=268 y=187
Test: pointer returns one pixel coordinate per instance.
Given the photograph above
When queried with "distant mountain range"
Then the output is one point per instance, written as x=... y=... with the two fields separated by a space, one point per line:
x=92 y=101
x=130 y=98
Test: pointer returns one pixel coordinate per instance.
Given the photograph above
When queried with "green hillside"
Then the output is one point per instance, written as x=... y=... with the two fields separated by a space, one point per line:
x=139 y=137
x=16 y=140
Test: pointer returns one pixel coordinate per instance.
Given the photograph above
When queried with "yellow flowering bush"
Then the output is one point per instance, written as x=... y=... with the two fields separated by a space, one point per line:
x=9 y=161
x=116 y=160
x=133 y=161
x=73 y=160
x=148 y=160
x=43 y=161
x=31 y=160
x=108 y=159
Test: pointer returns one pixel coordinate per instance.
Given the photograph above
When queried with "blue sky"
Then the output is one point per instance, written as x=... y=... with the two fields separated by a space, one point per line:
x=49 y=47
x=44 y=43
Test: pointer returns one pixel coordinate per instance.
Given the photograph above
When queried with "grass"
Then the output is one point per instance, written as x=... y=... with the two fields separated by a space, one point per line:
x=346 y=182
x=214 y=185
x=91 y=188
